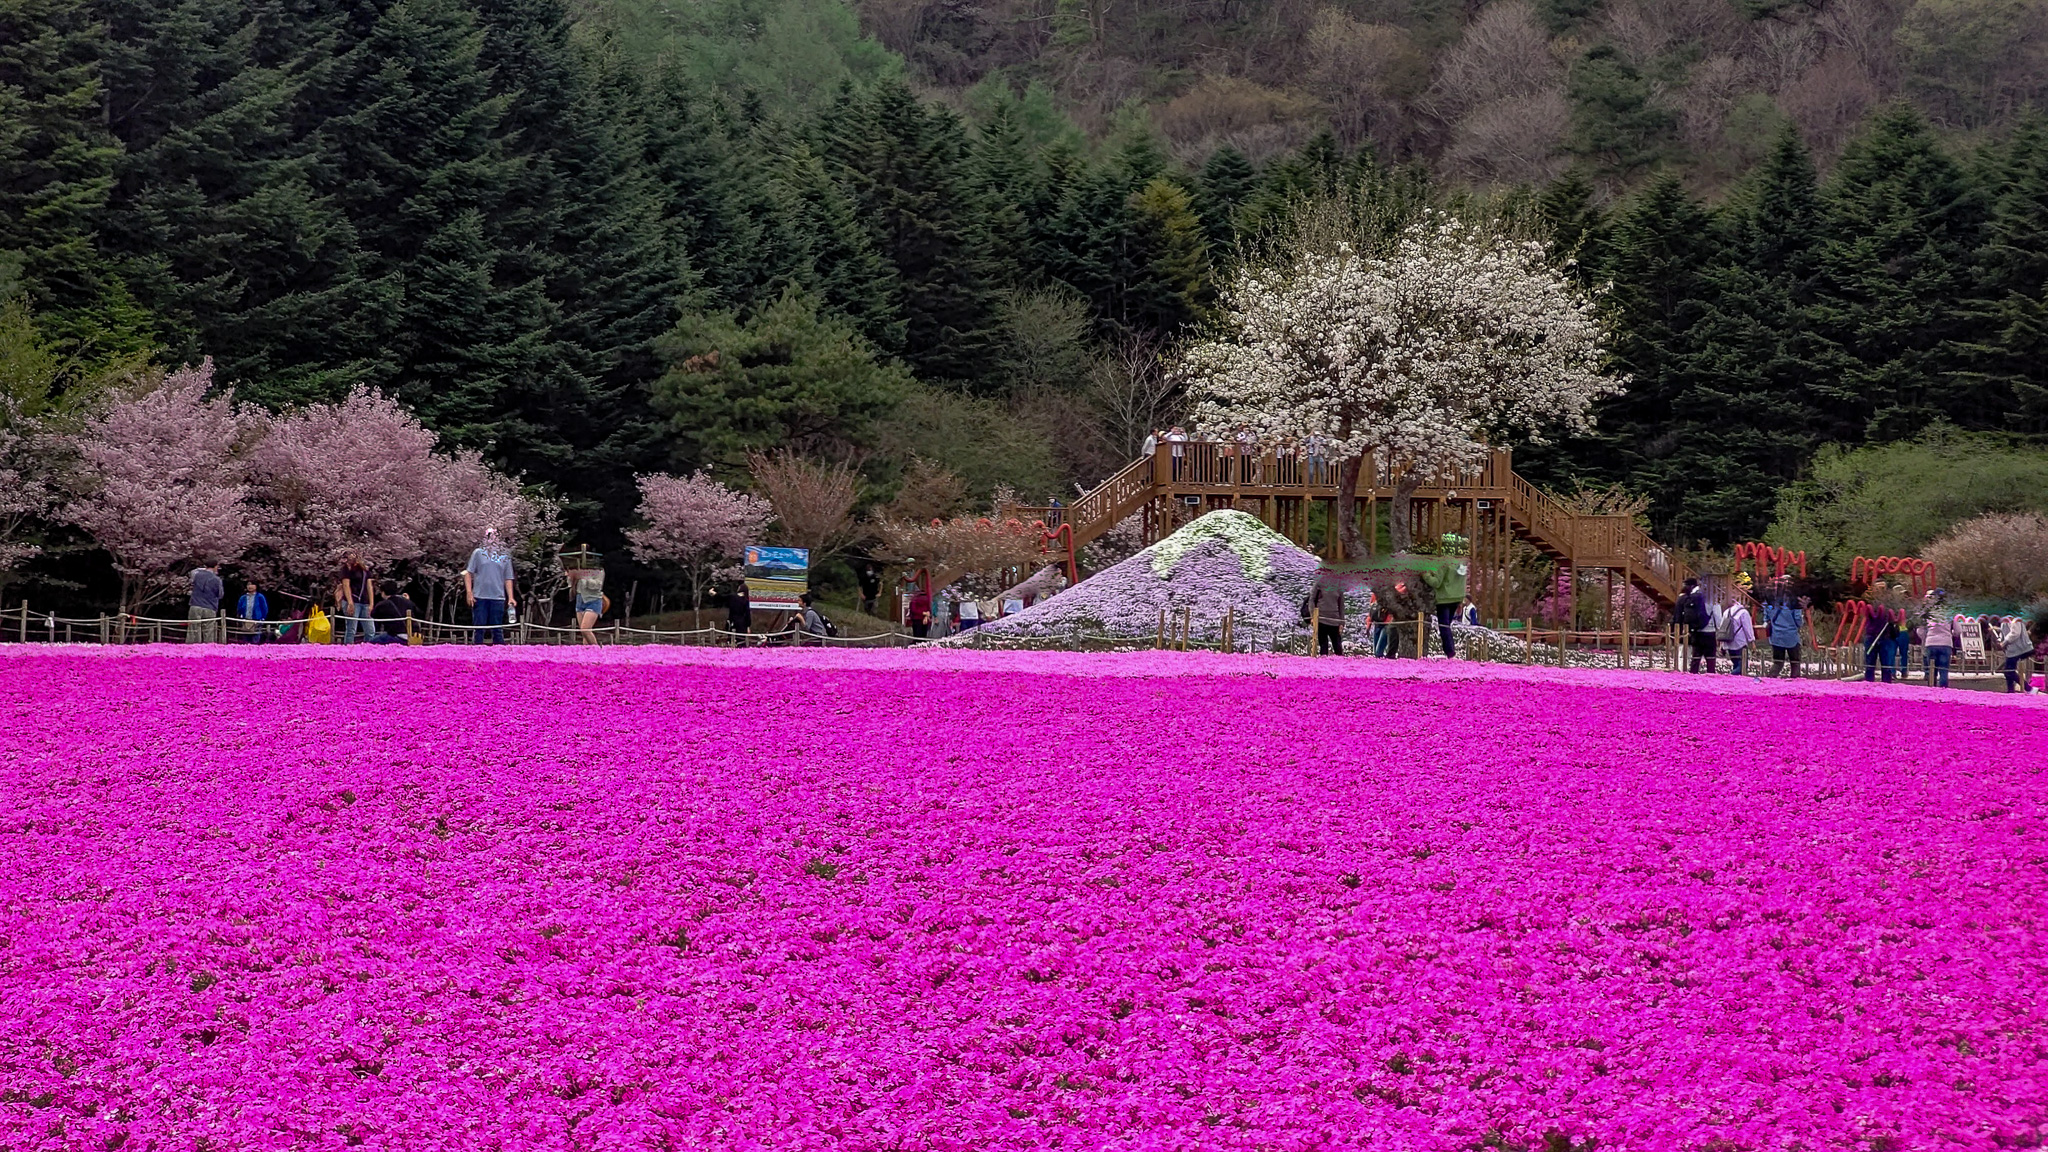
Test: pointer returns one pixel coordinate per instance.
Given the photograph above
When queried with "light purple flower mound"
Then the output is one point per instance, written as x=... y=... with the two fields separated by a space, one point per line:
x=1225 y=560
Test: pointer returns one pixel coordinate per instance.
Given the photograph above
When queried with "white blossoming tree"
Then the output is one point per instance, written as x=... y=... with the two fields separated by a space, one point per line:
x=1415 y=358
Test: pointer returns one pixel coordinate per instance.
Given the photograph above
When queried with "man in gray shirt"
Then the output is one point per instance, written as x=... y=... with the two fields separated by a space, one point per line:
x=487 y=582
x=202 y=612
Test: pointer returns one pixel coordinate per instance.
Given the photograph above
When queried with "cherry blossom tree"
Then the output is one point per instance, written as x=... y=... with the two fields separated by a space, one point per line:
x=359 y=475
x=26 y=495
x=163 y=484
x=698 y=525
x=1413 y=358
x=468 y=497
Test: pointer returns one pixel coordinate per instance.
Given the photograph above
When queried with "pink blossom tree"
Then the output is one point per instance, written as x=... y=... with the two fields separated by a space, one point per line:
x=359 y=476
x=468 y=497
x=696 y=524
x=163 y=484
x=26 y=496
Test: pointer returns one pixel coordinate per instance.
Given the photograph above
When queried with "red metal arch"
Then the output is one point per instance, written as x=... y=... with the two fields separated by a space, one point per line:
x=1063 y=533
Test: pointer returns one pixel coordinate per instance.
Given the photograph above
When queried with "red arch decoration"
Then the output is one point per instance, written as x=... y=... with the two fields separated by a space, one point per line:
x=1770 y=560
x=1063 y=533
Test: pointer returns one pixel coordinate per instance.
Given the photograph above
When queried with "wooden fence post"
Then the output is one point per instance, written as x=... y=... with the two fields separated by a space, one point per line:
x=1160 y=642
x=1315 y=630
x=24 y=621
x=1421 y=637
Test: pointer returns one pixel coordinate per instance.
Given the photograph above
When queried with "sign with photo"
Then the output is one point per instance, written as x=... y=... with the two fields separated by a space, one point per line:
x=776 y=577
x=1970 y=631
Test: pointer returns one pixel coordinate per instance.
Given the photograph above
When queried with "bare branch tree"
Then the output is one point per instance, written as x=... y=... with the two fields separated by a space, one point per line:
x=1133 y=392
x=813 y=500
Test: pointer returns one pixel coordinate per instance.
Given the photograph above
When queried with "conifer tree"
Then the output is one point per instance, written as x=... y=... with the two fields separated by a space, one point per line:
x=57 y=163
x=2009 y=352
x=1903 y=226
x=1227 y=180
x=904 y=168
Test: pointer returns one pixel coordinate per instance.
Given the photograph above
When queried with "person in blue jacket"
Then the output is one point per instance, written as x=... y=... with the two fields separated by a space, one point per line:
x=1783 y=619
x=250 y=612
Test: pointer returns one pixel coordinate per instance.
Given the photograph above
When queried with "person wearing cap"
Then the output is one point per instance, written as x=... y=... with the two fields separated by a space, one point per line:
x=1739 y=628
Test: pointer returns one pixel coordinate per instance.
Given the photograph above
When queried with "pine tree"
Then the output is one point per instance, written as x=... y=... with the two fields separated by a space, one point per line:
x=214 y=214
x=1762 y=388
x=1227 y=181
x=789 y=376
x=1617 y=121
x=1177 y=280
x=1576 y=224
x=905 y=169
x=418 y=156
x=1903 y=225
x=831 y=255
x=1011 y=187
x=2009 y=353
x=1647 y=437
x=57 y=164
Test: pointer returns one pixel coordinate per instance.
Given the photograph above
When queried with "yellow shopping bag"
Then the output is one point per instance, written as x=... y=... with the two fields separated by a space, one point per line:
x=319 y=629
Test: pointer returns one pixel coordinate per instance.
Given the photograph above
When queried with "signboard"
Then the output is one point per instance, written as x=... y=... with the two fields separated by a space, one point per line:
x=1970 y=631
x=776 y=577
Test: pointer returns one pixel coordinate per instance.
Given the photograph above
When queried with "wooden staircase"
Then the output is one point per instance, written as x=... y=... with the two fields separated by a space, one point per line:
x=1177 y=481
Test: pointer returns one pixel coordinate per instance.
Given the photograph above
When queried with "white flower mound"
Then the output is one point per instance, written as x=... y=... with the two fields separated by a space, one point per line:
x=1226 y=560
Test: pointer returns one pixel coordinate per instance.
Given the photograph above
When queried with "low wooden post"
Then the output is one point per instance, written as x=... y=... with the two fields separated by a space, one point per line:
x=24 y=621
x=1187 y=626
x=1315 y=631
x=1160 y=643
x=1421 y=636
x=1529 y=641
x=1561 y=662
x=106 y=633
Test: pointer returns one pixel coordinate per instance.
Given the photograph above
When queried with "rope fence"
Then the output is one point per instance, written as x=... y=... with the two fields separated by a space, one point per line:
x=1665 y=650
x=23 y=626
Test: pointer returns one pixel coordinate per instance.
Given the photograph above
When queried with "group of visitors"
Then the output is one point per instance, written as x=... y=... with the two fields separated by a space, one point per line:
x=934 y=616
x=1714 y=629
x=369 y=609
x=1240 y=452
x=1326 y=606
x=1887 y=636
x=366 y=616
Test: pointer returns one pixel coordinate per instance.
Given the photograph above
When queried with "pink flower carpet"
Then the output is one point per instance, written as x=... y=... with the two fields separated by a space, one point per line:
x=978 y=900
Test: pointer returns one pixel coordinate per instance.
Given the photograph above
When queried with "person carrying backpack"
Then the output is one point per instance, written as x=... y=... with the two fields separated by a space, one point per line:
x=812 y=628
x=1736 y=633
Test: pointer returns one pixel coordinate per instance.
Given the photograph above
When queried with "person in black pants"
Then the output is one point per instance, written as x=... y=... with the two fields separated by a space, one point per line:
x=739 y=613
x=1328 y=602
x=870 y=588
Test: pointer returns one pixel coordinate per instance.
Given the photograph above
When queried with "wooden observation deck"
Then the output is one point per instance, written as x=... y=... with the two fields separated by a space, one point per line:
x=1490 y=507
